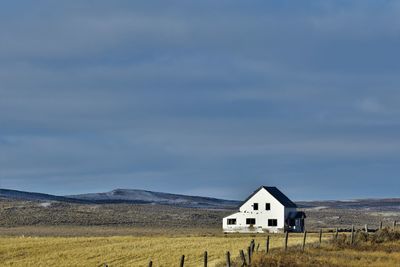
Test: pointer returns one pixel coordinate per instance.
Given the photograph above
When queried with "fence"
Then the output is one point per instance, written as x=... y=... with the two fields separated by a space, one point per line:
x=246 y=258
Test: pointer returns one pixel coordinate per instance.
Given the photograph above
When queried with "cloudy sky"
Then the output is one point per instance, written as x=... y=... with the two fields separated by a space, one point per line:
x=211 y=98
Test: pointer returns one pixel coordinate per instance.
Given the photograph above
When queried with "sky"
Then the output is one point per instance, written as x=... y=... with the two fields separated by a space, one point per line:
x=210 y=98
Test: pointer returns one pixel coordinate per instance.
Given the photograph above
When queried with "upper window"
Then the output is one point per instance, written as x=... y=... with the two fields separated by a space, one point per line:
x=250 y=221
x=231 y=221
x=272 y=222
x=267 y=206
x=255 y=206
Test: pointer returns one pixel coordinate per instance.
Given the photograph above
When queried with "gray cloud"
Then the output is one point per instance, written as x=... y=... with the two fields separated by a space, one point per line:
x=200 y=97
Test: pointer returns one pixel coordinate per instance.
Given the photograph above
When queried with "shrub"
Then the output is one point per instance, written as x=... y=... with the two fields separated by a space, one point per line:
x=385 y=235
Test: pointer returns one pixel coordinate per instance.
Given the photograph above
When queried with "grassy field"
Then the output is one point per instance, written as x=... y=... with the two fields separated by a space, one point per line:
x=380 y=249
x=382 y=255
x=126 y=250
x=166 y=250
x=129 y=235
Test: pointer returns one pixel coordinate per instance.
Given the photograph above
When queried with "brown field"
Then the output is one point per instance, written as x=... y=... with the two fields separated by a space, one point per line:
x=165 y=249
x=64 y=234
x=127 y=250
x=382 y=255
x=378 y=249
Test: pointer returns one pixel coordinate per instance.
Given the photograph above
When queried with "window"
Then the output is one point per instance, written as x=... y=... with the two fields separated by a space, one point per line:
x=272 y=222
x=231 y=221
x=250 y=221
x=267 y=206
x=255 y=206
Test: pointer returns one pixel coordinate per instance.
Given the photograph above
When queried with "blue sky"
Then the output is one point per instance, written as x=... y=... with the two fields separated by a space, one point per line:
x=211 y=98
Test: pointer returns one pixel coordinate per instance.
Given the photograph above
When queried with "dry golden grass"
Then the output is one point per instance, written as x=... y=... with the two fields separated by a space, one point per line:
x=128 y=251
x=165 y=249
x=379 y=249
x=382 y=255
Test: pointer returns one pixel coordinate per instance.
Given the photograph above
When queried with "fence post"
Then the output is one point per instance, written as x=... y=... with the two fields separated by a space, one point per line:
x=352 y=235
x=304 y=241
x=182 y=261
x=150 y=263
x=381 y=225
x=394 y=225
x=249 y=252
x=336 y=234
x=243 y=258
x=267 y=245
x=252 y=245
x=286 y=239
x=258 y=246
x=228 y=259
x=320 y=236
x=205 y=258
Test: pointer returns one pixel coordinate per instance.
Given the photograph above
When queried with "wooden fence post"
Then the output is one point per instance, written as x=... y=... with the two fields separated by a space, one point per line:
x=366 y=228
x=320 y=236
x=286 y=240
x=394 y=225
x=228 y=259
x=381 y=225
x=249 y=252
x=304 y=241
x=205 y=258
x=243 y=258
x=150 y=263
x=352 y=235
x=336 y=234
x=182 y=261
x=267 y=245
x=258 y=246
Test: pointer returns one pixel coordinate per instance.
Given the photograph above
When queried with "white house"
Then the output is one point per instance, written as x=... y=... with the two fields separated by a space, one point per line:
x=266 y=210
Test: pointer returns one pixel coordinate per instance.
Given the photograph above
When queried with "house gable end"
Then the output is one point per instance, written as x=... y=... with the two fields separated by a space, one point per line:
x=275 y=193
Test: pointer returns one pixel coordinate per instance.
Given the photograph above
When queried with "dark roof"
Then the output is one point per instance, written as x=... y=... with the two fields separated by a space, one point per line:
x=277 y=194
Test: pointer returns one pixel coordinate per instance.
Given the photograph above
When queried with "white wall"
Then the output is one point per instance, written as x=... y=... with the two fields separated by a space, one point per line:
x=261 y=215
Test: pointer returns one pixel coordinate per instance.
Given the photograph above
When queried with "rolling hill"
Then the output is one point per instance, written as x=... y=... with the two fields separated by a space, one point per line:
x=136 y=196
x=127 y=196
x=32 y=196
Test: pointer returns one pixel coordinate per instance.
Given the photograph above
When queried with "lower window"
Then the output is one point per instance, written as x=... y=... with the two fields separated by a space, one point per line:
x=272 y=222
x=231 y=221
x=250 y=221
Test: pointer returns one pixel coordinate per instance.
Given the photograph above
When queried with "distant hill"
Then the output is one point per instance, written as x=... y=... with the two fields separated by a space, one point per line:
x=143 y=196
x=135 y=196
x=129 y=196
x=383 y=204
x=31 y=196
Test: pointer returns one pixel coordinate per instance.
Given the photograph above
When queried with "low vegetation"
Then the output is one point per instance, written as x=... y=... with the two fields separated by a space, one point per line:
x=30 y=213
x=379 y=249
